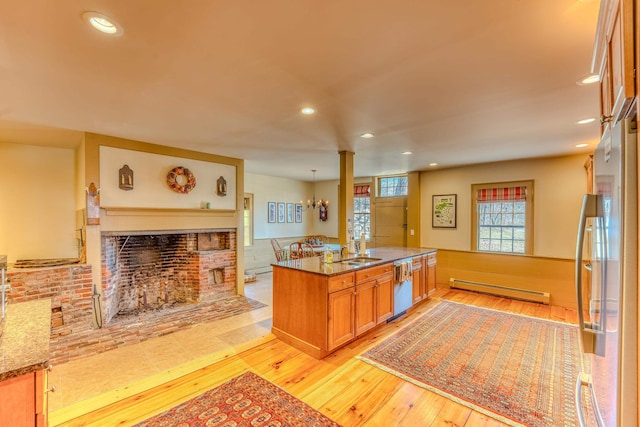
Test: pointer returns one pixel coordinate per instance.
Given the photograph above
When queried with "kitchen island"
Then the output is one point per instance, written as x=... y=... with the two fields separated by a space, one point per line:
x=319 y=307
x=24 y=359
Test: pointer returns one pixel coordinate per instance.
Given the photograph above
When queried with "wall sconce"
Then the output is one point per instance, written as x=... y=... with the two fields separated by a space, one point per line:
x=221 y=187
x=125 y=179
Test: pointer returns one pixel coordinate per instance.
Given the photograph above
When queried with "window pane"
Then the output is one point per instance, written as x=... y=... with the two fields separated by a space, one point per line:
x=362 y=217
x=507 y=246
x=496 y=233
x=501 y=226
x=392 y=186
x=495 y=246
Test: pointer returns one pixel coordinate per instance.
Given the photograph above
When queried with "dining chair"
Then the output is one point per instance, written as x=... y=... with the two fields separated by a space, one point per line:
x=300 y=250
x=279 y=255
x=277 y=250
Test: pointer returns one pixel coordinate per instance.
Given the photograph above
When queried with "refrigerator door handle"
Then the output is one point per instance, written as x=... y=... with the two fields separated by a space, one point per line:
x=587 y=333
x=584 y=380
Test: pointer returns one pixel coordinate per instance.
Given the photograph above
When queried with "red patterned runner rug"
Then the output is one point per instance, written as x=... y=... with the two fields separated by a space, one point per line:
x=514 y=368
x=246 y=400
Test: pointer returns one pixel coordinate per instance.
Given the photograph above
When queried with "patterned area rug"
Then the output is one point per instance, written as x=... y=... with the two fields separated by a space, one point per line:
x=246 y=400
x=517 y=369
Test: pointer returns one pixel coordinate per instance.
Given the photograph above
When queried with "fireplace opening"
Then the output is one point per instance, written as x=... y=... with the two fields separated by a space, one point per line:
x=158 y=271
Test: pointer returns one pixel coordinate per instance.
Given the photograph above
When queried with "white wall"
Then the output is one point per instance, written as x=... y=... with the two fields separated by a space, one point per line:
x=273 y=189
x=150 y=181
x=38 y=215
x=559 y=184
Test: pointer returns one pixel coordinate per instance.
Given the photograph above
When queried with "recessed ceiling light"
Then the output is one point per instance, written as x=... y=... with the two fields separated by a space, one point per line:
x=103 y=23
x=588 y=79
x=581 y=145
x=433 y=164
x=307 y=111
x=407 y=153
x=585 y=121
x=367 y=135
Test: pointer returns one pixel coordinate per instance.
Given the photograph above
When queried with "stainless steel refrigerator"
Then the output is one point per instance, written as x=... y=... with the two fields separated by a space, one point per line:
x=607 y=284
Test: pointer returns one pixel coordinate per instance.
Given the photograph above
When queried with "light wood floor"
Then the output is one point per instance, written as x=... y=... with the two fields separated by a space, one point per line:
x=349 y=391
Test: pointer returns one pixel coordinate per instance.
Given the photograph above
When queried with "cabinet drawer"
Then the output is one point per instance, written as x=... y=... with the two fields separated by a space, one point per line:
x=431 y=260
x=373 y=272
x=343 y=281
x=417 y=263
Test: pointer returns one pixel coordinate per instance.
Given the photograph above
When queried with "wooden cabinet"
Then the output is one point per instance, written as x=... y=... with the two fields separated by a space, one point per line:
x=384 y=299
x=23 y=400
x=614 y=59
x=318 y=313
x=366 y=316
x=374 y=297
x=418 y=280
x=430 y=282
x=341 y=327
x=424 y=277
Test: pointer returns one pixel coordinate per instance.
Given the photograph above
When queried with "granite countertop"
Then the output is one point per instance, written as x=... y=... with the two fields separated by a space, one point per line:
x=386 y=254
x=24 y=346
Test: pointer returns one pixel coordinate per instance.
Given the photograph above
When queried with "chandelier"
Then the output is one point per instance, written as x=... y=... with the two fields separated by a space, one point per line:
x=313 y=203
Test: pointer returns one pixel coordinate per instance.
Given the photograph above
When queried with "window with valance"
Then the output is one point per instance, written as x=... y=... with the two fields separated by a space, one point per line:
x=502 y=217
x=362 y=211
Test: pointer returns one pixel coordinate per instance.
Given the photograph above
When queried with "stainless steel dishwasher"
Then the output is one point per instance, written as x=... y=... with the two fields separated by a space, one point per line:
x=402 y=286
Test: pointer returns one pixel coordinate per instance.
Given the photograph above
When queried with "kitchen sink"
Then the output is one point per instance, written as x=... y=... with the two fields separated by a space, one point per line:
x=360 y=260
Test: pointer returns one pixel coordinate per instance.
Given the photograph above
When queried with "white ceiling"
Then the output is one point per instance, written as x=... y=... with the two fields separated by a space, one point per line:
x=455 y=82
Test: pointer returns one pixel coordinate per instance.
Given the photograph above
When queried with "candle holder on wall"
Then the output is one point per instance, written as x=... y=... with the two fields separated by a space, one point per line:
x=125 y=178
x=221 y=186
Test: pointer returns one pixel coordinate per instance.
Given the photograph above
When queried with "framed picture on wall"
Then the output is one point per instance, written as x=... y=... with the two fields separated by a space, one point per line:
x=271 y=211
x=281 y=212
x=298 y=212
x=289 y=212
x=444 y=211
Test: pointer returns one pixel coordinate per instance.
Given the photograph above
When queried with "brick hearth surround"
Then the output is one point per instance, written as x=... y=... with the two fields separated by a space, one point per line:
x=69 y=288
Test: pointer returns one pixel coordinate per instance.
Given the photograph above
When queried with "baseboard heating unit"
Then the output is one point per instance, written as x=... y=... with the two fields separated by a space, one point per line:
x=504 y=291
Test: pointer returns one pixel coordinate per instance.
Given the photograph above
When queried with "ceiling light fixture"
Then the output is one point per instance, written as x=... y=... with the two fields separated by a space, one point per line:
x=588 y=79
x=406 y=153
x=581 y=145
x=103 y=23
x=313 y=203
x=585 y=121
x=433 y=164
x=367 y=135
x=307 y=111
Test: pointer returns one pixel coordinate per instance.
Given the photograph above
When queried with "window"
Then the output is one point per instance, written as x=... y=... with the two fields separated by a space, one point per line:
x=392 y=186
x=362 y=211
x=248 y=219
x=503 y=217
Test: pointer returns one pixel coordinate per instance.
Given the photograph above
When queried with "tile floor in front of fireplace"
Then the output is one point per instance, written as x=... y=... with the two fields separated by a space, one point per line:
x=115 y=370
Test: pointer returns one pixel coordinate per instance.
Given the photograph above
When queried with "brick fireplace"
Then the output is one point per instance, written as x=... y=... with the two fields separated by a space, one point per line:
x=144 y=271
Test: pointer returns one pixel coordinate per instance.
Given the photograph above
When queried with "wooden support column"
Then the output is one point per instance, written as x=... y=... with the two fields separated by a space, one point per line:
x=345 y=199
x=413 y=210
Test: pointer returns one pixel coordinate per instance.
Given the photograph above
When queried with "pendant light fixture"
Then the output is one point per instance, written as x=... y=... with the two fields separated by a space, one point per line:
x=313 y=203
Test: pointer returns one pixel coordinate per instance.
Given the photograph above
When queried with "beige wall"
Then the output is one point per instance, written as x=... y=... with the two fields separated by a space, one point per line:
x=38 y=218
x=559 y=184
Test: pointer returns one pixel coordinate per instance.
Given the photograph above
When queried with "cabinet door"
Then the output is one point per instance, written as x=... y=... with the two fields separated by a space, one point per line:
x=341 y=318
x=384 y=299
x=365 y=306
x=621 y=56
x=17 y=402
x=418 y=286
x=431 y=274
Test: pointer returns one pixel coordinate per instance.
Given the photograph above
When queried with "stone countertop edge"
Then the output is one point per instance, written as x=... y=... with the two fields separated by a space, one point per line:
x=315 y=265
x=24 y=345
